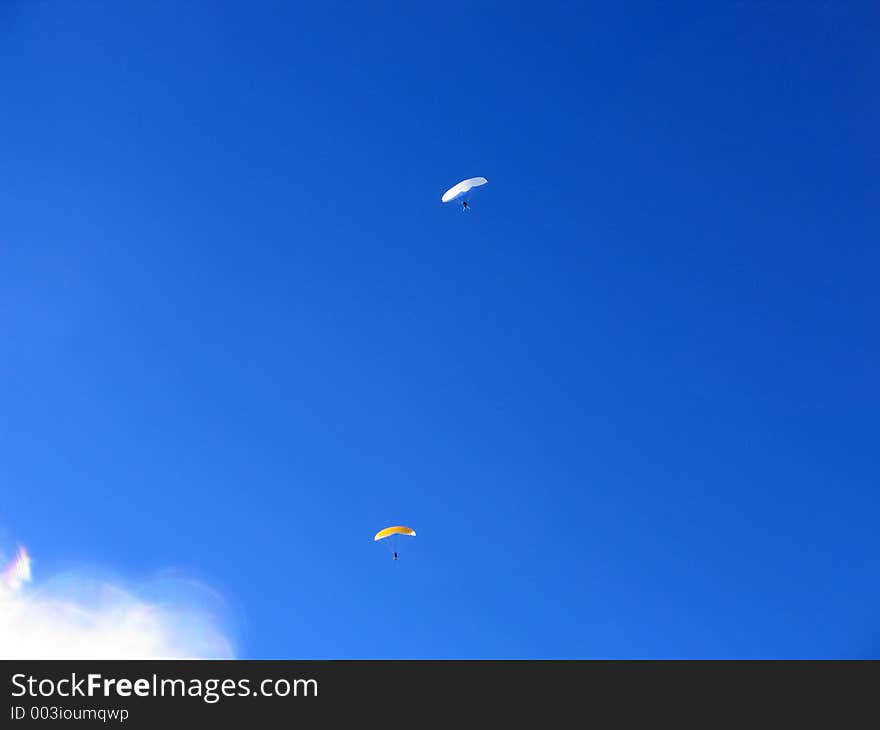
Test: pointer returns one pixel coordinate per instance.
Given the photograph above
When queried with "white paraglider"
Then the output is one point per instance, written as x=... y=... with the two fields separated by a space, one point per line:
x=461 y=190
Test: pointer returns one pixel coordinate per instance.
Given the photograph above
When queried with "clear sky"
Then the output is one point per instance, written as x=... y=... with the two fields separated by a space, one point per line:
x=629 y=401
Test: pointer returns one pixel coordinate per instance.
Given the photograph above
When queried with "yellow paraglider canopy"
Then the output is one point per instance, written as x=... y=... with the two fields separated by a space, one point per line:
x=396 y=530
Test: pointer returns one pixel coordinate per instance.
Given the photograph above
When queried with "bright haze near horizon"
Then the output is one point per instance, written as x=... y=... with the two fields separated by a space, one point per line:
x=629 y=401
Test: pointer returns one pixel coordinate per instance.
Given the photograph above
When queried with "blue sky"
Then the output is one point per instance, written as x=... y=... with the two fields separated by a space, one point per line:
x=629 y=402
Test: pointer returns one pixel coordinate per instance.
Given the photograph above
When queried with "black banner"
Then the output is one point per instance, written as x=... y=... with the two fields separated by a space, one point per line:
x=169 y=694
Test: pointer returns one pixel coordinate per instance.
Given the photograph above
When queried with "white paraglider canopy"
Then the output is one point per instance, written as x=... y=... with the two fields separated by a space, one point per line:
x=461 y=188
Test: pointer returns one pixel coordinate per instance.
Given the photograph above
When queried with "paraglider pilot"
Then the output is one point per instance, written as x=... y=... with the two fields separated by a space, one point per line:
x=464 y=205
x=395 y=556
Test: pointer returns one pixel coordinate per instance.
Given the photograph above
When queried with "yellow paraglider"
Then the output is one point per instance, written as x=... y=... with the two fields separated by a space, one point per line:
x=397 y=530
x=392 y=532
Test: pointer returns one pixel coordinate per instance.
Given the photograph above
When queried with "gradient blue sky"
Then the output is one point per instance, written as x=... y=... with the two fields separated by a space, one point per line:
x=630 y=402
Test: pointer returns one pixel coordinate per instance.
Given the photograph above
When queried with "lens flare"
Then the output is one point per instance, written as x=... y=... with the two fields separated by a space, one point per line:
x=18 y=572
